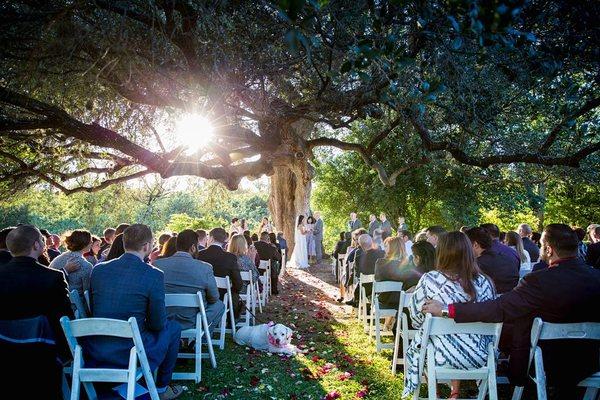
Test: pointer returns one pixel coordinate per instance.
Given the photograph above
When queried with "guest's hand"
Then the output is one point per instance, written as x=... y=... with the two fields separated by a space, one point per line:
x=72 y=266
x=433 y=307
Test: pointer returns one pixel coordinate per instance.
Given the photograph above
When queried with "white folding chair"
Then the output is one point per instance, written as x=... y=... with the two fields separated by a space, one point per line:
x=363 y=300
x=402 y=331
x=86 y=296
x=541 y=330
x=283 y=260
x=248 y=299
x=81 y=311
x=443 y=326
x=225 y=283
x=340 y=265
x=265 y=265
x=107 y=327
x=379 y=313
x=200 y=331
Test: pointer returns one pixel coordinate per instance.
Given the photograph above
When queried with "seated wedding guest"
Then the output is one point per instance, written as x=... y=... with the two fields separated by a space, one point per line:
x=77 y=242
x=593 y=250
x=267 y=251
x=525 y=232
x=514 y=241
x=581 y=246
x=535 y=238
x=365 y=264
x=169 y=248
x=421 y=236
x=224 y=264
x=107 y=239
x=117 y=249
x=162 y=239
x=433 y=234
x=184 y=274
x=282 y=241
x=497 y=245
x=202 y=239
x=121 y=228
x=254 y=237
x=456 y=279
x=345 y=278
x=5 y=255
x=378 y=239
x=395 y=266
x=52 y=246
x=128 y=287
x=502 y=269
x=94 y=253
x=32 y=290
x=565 y=292
x=273 y=240
x=238 y=245
x=340 y=248
x=351 y=257
x=252 y=253
x=423 y=256
x=405 y=236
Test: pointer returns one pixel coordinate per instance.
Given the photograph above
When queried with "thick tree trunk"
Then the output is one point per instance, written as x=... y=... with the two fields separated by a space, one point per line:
x=291 y=183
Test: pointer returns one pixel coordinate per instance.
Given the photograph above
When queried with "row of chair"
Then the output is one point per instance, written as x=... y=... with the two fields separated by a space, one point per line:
x=138 y=366
x=370 y=314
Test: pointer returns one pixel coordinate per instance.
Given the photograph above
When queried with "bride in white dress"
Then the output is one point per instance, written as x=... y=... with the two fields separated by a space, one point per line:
x=299 y=257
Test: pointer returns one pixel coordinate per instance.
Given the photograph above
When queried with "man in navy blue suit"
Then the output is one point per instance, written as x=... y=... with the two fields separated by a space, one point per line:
x=128 y=287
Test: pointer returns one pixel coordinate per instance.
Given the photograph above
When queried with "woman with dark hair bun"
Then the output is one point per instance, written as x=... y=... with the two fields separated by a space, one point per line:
x=117 y=249
x=78 y=243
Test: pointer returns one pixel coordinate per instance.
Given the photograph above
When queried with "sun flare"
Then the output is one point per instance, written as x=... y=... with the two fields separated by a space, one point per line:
x=193 y=131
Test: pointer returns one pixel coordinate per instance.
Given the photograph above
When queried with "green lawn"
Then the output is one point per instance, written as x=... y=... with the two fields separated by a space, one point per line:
x=340 y=360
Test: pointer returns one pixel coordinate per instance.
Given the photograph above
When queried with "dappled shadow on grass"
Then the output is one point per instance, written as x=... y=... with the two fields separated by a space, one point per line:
x=339 y=360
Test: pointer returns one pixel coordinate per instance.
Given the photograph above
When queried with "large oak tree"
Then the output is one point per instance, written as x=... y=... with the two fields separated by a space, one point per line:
x=88 y=87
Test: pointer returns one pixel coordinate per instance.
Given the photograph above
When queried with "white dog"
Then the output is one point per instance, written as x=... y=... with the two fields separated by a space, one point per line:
x=271 y=337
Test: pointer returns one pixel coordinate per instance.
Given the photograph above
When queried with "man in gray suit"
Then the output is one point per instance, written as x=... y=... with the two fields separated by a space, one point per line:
x=354 y=222
x=373 y=224
x=386 y=227
x=318 y=233
x=185 y=274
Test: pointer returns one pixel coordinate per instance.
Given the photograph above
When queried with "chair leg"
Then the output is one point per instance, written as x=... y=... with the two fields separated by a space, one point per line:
x=431 y=379
x=198 y=357
x=77 y=364
x=540 y=376
x=591 y=393
x=131 y=374
x=396 y=345
x=377 y=331
x=517 y=393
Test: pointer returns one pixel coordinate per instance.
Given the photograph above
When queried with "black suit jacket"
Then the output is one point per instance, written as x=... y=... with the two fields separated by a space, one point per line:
x=5 y=256
x=503 y=270
x=593 y=255
x=532 y=249
x=568 y=292
x=29 y=289
x=266 y=251
x=224 y=264
x=366 y=264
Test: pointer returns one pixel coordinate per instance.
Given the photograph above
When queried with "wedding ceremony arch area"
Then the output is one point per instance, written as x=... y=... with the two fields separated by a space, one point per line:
x=295 y=199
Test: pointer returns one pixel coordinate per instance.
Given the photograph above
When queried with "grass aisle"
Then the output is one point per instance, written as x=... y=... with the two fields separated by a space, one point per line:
x=340 y=362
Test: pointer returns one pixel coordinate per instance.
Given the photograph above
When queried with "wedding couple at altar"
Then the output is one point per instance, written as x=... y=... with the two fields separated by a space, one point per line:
x=308 y=239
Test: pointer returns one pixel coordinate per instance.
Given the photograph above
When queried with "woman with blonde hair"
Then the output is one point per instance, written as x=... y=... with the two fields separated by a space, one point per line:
x=513 y=239
x=238 y=246
x=457 y=279
x=395 y=266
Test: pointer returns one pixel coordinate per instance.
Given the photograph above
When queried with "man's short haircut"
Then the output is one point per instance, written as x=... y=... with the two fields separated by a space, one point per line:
x=406 y=233
x=365 y=241
x=264 y=236
x=186 y=239
x=45 y=233
x=3 y=234
x=492 y=229
x=20 y=240
x=109 y=232
x=481 y=236
x=436 y=230
x=136 y=236
x=342 y=236
x=526 y=229
x=234 y=220
x=201 y=234
x=562 y=239
x=580 y=232
x=121 y=228
x=218 y=235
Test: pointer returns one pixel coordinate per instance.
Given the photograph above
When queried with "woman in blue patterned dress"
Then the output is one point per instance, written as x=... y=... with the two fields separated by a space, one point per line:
x=457 y=279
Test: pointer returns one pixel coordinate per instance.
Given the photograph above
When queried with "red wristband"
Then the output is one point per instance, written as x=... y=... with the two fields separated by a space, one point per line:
x=451 y=311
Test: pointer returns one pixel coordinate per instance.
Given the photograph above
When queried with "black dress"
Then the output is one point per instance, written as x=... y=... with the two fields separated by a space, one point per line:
x=392 y=270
